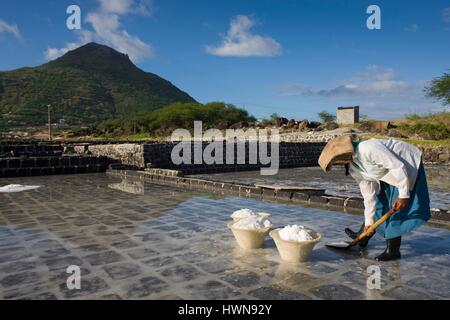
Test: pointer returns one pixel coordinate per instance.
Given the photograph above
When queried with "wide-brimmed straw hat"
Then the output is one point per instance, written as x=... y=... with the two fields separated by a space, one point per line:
x=337 y=150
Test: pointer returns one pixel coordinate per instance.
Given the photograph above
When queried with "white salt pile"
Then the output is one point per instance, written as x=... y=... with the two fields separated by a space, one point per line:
x=252 y=222
x=17 y=188
x=245 y=213
x=296 y=233
x=242 y=213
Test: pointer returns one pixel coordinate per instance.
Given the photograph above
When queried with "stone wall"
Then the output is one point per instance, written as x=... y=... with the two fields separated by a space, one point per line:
x=158 y=155
x=294 y=154
x=436 y=155
x=129 y=154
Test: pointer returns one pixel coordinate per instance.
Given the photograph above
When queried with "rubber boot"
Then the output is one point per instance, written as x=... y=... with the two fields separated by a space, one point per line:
x=352 y=234
x=392 y=251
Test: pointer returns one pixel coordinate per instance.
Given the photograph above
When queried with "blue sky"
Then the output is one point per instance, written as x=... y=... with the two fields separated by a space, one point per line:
x=292 y=57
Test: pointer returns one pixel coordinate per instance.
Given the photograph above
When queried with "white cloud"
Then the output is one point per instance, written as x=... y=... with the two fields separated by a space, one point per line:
x=373 y=81
x=12 y=28
x=83 y=38
x=446 y=15
x=241 y=42
x=126 y=6
x=107 y=29
x=380 y=92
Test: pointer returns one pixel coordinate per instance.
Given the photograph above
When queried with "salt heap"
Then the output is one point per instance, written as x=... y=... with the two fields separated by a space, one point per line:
x=296 y=233
x=17 y=188
x=252 y=222
x=242 y=213
x=245 y=213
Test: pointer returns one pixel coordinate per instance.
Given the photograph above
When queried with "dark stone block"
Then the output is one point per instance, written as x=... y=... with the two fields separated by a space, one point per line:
x=268 y=192
x=336 y=201
x=356 y=203
x=283 y=194
x=235 y=187
x=47 y=171
x=23 y=172
x=300 y=196
x=209 y=185
x=318 y=199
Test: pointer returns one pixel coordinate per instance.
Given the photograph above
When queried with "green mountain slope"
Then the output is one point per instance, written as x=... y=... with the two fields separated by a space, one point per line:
x=85 y=86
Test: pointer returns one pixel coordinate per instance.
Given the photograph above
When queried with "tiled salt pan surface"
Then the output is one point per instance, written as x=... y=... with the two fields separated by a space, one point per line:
x=136 y=241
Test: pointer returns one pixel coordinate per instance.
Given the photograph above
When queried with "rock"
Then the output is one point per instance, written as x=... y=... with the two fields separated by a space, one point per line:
x=223 y=125
x=331 y=125
x=396 y=133
x=314 y=124
x=291 y=123
x=303 y=125
x=382 y=125
x=239 y=125
x=280 y=121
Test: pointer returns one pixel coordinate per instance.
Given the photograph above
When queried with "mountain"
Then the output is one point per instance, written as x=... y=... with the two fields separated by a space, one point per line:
x=83 y=87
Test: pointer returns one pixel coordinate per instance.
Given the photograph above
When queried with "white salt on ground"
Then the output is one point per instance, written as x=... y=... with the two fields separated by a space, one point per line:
x=252 y=222
x=296 y=233
x=17 y=188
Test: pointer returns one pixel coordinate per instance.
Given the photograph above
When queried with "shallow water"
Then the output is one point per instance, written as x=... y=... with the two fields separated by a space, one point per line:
x=335 y=181
x=135 y=240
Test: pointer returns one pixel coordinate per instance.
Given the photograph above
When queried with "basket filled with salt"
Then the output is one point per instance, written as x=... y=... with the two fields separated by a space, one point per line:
x=294 y=242
x=251 y=231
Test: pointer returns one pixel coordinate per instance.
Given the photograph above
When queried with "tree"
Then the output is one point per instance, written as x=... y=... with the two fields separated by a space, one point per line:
x=325 y=116
x=440 y=89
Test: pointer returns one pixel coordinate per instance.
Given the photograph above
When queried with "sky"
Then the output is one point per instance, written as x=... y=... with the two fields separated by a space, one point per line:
x=290 y=57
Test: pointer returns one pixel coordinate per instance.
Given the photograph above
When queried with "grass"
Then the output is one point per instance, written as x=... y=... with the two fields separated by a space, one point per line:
x=422 y=143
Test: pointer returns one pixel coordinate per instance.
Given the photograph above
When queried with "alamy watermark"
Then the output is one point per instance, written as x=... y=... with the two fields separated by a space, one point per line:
x=374 y=279
x=251 y=146
x=74 y=280
x=374 y=20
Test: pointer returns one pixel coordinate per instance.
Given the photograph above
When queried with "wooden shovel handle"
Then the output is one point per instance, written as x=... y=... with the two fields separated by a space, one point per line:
x=374 y=226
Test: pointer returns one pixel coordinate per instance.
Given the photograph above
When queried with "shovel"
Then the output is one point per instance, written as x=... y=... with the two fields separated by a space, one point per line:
x=372 y=228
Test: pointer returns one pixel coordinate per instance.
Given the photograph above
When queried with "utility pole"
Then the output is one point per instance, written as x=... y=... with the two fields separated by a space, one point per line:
x=49 y=123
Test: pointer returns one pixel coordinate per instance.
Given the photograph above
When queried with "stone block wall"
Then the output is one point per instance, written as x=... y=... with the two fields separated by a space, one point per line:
x=436 y=155
x=129 y=154
x=291 y=154
x=158 y=155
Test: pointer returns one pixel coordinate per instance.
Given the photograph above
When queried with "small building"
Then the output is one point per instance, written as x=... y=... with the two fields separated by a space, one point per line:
x=347 y=115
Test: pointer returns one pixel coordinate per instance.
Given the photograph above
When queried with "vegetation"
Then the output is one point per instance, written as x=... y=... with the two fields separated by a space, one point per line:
x=325 y=116
x=429 y=127
x=271 y=121
x=84 y=87
x=163 y=121
x=440 y=89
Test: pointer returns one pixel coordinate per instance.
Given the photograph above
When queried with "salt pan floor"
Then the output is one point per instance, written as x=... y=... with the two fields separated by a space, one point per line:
x=141 y=241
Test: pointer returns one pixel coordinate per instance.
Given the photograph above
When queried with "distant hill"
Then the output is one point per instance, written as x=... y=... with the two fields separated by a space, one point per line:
x=85 y=86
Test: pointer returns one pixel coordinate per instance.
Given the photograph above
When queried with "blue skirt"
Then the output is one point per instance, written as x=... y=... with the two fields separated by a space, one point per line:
x=413 y=216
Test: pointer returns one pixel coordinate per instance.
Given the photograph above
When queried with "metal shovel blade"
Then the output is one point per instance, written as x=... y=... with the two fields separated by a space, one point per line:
x=340 y=244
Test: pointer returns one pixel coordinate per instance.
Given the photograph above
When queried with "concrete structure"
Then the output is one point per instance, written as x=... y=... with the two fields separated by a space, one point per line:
x=347 y=115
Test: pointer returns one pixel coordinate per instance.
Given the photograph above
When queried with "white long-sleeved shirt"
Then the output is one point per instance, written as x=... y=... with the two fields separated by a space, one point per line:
x=392 y=161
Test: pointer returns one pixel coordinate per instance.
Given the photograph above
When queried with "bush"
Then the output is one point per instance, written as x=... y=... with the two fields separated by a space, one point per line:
x=179 y=115
x=428 y=131
x=326 y=116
